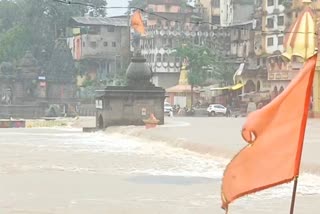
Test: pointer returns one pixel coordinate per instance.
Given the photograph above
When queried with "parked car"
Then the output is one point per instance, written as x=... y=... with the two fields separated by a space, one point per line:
x=216 y=109
x=167 y=107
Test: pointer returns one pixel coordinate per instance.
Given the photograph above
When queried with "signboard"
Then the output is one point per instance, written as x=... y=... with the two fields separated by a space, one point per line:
x=41 y=78
x=278 y=76
x=99 y=104
x=43 y=84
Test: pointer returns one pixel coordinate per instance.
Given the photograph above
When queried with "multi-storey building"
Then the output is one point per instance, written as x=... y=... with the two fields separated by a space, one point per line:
x=265 y=62
x=165 y=35
x=103 y=43
x=227 y=12
x=235 y=12
x=274 y=21
x=212 y=11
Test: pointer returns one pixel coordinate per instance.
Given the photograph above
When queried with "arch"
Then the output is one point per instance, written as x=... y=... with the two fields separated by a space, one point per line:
x=159 y=57
x=258 y=85
x=100 y=122
x=275 y=92
x=249 y=87
x=165 y=57
x=281 y=89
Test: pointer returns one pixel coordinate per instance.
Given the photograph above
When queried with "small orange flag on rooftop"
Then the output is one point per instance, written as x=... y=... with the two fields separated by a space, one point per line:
x=137 y=23
x=275 y=136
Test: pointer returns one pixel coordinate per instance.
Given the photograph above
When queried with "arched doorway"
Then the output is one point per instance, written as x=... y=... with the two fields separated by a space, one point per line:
x=275 y=92
x=249 y=87
x=100 y=122
x=281 y=89
x=258 y=85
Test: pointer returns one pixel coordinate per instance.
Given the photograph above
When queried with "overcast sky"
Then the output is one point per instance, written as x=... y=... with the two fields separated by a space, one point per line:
x=117 y=3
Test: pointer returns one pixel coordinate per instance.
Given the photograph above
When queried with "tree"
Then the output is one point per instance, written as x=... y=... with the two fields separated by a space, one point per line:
x=204 y=64
x=35 y=24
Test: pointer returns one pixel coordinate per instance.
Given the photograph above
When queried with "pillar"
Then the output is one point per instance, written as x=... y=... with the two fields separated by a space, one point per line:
x=316 y=91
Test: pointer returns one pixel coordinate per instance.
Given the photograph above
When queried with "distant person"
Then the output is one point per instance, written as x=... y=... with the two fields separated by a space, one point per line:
x=171 y=113
x=228 y=112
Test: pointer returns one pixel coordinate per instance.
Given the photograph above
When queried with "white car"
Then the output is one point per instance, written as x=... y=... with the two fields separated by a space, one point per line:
x=215 y=109
x=167 y=107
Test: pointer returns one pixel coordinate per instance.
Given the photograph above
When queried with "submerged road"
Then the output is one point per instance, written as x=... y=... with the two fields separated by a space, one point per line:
x=67 y=171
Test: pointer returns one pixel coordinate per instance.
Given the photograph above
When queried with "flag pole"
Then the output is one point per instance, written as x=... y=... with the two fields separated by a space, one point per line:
x=294 y=194
x=227 y=209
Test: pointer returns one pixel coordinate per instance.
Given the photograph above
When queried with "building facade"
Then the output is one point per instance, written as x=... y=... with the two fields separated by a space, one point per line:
x=274 y=23
x=101 y=43
x=164 y=36
x=212 y=11
x=235 y=12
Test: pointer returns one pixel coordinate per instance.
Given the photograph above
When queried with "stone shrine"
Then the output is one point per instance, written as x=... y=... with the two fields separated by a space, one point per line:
x=131 y=104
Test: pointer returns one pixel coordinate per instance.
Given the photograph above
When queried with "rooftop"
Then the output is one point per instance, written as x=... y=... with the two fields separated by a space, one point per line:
x=101 y=21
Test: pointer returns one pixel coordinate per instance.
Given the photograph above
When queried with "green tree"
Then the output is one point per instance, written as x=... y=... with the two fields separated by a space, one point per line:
x=35 y=24
x=204 y=65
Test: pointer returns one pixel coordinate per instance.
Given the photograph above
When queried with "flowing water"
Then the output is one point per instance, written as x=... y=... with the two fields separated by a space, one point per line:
x=67 y=171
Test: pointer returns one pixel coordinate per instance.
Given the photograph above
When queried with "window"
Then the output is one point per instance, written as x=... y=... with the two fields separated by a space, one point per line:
x=270 y=22
x=280 y=1
x=215 y=20
x=167 y=8
x=264 y=61
x=158 y=57
x=84 y=44
x=93 y=44
x=165 y=57
x=216 y=3
x=280 y=20
x=114 y=44
x=105 y=44
x=270 y=41
x=270 y=3
x=110 y=28
x=94 y=30
x=280 y=40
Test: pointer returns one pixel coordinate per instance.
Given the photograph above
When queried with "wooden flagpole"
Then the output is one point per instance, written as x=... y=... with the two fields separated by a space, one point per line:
x=294 y=194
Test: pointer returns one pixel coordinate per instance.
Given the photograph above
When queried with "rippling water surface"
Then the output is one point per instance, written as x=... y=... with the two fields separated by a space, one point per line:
x=142 y=175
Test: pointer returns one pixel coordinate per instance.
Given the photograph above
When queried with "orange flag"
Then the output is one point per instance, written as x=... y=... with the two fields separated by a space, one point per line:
x=137 y=23
x=275 y=135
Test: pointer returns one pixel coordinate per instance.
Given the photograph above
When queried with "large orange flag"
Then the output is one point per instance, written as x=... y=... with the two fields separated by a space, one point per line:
x=137 y=23
x=275 y=135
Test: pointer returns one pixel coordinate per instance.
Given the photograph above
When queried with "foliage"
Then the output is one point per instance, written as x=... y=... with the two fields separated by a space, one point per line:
x=204 y=65
x=6 y=68
x=61 y=65
x=35 y=24
x=14 y=43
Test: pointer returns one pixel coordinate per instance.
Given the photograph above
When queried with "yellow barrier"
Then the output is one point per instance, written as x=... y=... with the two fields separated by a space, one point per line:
x=45 y=123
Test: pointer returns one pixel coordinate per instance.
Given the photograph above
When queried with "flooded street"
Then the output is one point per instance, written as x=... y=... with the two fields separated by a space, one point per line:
x=67 y=171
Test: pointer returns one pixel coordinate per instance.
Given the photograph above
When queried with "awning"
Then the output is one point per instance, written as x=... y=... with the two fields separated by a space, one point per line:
x=232 y=87
x=236 y=87
x=222 y=88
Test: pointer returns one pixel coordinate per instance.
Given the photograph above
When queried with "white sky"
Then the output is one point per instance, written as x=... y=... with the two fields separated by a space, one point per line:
x=116 y=3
